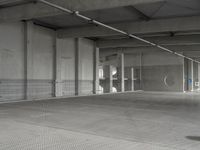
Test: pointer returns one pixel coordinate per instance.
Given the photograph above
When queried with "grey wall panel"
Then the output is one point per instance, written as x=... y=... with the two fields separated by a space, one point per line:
x=43 y=48
x=11 y=61
x=154 y=71
x=67 y=65
x=86 y=66
x=162 y=71
x=163 y=78
x=11 y=51
x=160 y=59
x=11 y=89
x=40 y=81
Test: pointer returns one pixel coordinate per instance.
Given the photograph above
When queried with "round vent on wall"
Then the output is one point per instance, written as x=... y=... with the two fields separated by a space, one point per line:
x=169 y=80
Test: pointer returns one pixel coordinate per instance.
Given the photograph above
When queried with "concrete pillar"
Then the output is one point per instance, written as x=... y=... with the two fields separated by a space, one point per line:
x=77 y=66
x=195 y=76
x=121 y=72
x=108 y=82
x=57 y=70
x=28 y=53
x=25 y=60
x=132 y=79
x=186 y=75
x=199 y=75
x=96 y=71
x=129 y=74
x=191 y=76
x=141 y=67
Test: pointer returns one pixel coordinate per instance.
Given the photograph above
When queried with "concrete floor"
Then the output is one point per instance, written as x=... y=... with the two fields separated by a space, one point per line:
x=139 y=121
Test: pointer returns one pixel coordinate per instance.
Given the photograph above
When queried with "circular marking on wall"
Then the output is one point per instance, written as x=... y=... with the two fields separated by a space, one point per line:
x=169 y=80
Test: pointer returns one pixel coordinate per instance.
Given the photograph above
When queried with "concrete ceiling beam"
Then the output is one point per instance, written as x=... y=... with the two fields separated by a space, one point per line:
x=164 y=40
x=38 y=10
x=182 y=24
x=186 y=48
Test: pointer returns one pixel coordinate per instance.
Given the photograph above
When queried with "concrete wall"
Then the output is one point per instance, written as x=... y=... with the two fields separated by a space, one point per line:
x=153 y=71
x=86 y=66
x=40 y=61
x=162 y=72
x=35 y=64
x=66 y=59
x=11 y=61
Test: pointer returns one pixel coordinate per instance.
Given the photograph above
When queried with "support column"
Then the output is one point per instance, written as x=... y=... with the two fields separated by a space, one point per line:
x=57 y=69
x=191 y=76
x=184 y=76
x=121 y=72
x=25 y=60
x=96 y=70
x=141 y=80
x=28 y=59
x=108 y=82
x=132 y=79
x=77 y=66
x=195 y=76
x=199 y=75
x=129 y=74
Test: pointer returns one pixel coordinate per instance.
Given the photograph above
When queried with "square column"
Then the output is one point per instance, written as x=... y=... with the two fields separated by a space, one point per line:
x=120 y=73
x=132 y=79
x=77 y=66
x=108 y=82
x=28 y=59
x=57 y=70
x=195 y=76
x=190 y=75
x=129 y=74
x=96 y=71
x=199 y=75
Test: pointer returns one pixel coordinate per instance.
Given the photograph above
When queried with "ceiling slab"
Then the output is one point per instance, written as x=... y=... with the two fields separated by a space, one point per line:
x=164 y=40
x=38 y=10
x=141 y=27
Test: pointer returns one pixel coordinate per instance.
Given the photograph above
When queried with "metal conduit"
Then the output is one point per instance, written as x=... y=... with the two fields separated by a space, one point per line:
x=77 y=14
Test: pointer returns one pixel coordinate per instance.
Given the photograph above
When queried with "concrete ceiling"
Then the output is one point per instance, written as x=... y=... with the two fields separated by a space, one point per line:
x=126 y=13
x=156 y=10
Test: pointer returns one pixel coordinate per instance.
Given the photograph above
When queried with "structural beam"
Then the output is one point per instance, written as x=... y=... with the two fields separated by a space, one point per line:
x=37 y=10
x=180 y=48
x=183 y=24
x=138 y=12
x=163 y=40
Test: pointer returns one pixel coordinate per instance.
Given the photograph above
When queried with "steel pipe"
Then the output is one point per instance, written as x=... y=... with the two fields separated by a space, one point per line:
x=77 y=14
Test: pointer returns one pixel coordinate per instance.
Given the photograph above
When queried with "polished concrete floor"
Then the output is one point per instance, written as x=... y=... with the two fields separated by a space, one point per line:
x=131 y=121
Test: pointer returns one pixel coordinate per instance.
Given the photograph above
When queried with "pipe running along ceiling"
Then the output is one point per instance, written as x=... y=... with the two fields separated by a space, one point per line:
x=90 y=20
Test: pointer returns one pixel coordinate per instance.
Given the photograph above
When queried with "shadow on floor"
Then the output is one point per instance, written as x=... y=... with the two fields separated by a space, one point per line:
x=194 y=138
